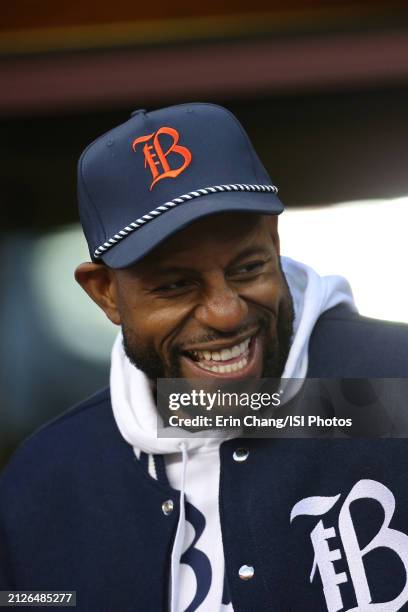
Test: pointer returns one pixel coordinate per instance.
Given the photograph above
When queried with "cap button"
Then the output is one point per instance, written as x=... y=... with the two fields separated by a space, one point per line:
x=138 y=112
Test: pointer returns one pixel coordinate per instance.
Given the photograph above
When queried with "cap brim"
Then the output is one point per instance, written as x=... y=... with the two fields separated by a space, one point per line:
x=146 y=238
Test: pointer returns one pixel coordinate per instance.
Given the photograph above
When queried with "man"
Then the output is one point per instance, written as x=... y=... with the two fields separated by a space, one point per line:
x=181 y=222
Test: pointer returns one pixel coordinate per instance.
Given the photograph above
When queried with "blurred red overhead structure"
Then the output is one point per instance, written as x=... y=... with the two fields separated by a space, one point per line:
x=46 y=26
x=25 y=14
x=65 y=56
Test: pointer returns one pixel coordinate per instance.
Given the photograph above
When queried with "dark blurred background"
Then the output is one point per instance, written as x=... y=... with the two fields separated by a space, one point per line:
x=322 y=89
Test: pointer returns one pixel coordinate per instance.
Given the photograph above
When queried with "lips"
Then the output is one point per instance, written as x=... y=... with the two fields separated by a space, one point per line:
x=240 y=360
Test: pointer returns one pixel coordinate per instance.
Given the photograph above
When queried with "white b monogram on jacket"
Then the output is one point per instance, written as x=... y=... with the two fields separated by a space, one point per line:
x=324 y=556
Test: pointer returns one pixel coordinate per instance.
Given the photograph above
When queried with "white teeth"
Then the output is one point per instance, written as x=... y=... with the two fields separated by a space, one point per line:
x=223 y=355
x=224 y=368
x=226 y=354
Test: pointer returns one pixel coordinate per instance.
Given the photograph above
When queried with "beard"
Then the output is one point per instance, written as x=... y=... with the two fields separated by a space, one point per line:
x=276 y=345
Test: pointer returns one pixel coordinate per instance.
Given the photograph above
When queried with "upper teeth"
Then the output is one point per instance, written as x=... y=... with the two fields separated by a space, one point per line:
x=224 y=354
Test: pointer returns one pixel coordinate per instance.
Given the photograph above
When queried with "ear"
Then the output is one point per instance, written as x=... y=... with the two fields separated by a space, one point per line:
x=272 y=221
x=100 y=284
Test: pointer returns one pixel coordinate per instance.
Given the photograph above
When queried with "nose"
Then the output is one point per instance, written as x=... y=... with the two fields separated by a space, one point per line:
x=221 y=307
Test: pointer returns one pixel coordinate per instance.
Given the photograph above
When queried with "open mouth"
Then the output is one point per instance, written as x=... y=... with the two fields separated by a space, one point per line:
x=223 y=361
x=234 y=361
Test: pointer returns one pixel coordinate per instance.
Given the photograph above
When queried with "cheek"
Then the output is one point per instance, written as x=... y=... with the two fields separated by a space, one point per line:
x=267 y=292
x=156 y=324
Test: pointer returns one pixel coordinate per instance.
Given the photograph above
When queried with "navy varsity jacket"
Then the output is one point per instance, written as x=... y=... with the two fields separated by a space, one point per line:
x=322 y=524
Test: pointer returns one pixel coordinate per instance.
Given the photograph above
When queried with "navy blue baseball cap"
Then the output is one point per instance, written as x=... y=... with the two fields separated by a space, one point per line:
x=146 y=179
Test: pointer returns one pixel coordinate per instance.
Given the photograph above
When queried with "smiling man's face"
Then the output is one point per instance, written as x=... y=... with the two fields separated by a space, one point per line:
x=211 y=302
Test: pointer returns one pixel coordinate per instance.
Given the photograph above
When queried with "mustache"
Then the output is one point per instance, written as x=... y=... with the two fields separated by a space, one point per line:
x=261 y=323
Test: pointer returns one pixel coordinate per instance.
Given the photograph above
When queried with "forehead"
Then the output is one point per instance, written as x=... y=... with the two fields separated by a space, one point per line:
x=222 y=235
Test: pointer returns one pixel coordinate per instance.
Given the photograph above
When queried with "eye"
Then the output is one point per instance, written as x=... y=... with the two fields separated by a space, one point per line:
x=249 y=269
x=175 y=287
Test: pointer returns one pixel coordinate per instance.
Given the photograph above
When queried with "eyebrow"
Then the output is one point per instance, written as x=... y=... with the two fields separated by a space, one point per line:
x=248 y=252
x=173 y=270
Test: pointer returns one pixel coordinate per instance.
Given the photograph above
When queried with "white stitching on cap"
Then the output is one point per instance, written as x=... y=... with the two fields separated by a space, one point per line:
x=153 y=214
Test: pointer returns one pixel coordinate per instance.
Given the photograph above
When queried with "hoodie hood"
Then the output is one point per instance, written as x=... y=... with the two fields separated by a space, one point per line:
x=312 y=295
x=136 y=416
x=133 y=404
x=138 y=421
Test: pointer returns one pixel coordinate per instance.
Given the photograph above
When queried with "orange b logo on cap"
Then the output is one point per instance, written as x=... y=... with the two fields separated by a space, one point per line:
x=156 y=158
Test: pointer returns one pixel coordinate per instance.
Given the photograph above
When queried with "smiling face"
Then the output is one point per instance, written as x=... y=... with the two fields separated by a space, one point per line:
x=211 y=302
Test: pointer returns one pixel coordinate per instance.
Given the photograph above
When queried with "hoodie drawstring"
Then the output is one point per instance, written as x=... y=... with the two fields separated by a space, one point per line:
x=179 y=539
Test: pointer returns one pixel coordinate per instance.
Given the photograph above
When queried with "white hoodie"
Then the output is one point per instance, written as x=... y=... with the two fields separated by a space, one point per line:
x=193 y=463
